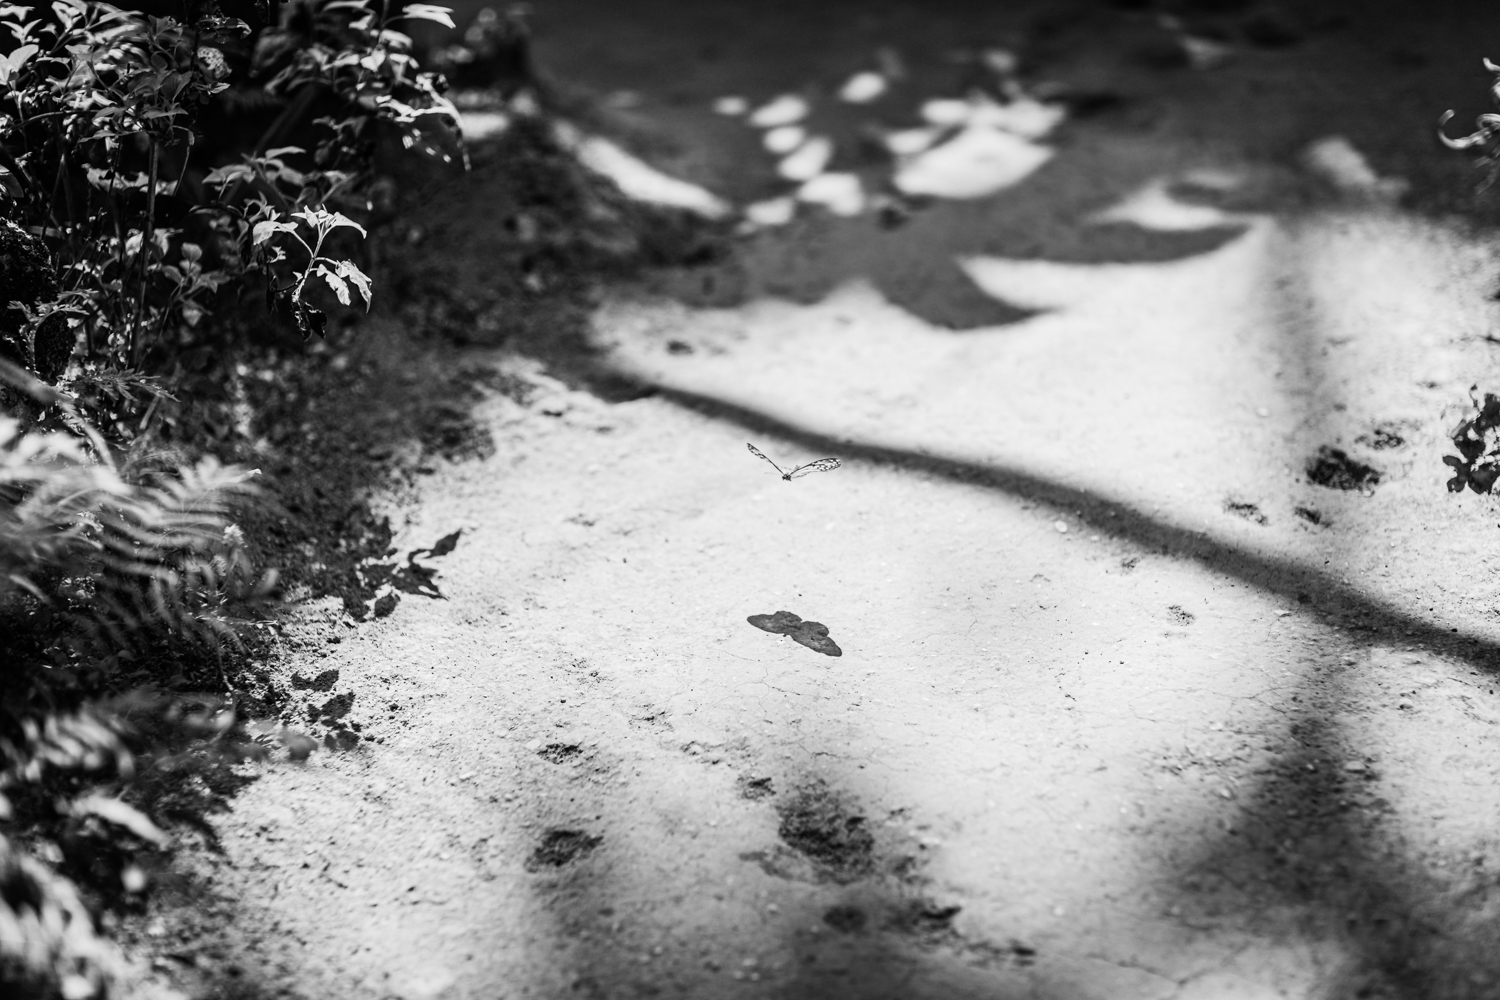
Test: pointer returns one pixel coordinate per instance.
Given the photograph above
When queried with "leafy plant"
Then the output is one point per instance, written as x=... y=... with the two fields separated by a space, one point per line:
x=105 y=558
x=98 y=111
x=1485 y=138
x=1477 y=439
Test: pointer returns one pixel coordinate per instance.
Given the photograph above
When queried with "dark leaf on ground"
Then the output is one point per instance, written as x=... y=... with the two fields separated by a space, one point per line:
x=441 y=547
x=813 y=635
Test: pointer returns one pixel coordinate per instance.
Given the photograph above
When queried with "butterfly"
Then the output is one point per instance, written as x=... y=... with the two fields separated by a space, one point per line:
x=821 y=465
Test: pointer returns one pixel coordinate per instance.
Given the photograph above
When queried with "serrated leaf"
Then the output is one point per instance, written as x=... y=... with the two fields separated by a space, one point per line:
x=339 y=285
x=228 y=174
x=266 y=229
x=337 y=220
x=429 y=12
x=347 y=269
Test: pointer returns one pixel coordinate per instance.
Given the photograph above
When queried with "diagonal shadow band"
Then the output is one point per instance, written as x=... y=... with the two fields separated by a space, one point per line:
x=1333 y=602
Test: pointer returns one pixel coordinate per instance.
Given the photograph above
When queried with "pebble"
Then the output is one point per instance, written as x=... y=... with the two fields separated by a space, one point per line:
x=1355 y=766
x=1061 y=526
x=732 y=106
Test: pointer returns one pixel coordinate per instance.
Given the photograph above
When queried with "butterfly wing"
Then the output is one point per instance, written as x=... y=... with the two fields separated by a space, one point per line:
x=758 y=454
x=821 y=465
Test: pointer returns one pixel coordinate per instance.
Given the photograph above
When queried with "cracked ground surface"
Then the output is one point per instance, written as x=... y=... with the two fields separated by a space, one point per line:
x=1128 y=705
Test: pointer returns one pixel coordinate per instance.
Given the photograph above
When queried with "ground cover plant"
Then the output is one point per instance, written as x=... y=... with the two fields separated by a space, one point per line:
x=128 y=232
x=1477 y=465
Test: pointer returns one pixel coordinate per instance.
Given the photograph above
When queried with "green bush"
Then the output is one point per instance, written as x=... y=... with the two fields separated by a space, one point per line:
x=122 y=232
x=97 y=144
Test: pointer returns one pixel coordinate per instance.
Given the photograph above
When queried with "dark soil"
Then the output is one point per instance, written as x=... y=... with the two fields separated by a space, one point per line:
x=1248 y=511
x=753 y=788
x=1335 y=469
x=561 y=847
x=846 y=919
x=559 y=753
x=817 y=824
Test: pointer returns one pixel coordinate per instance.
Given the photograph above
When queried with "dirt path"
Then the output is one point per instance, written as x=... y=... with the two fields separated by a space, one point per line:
x=1127 y=707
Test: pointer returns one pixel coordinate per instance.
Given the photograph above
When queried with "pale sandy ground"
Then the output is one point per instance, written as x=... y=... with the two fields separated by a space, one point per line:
x=1109 y=738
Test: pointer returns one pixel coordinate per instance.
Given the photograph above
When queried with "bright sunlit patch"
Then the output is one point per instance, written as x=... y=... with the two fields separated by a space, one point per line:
x=841 y=194
x=1337 y=161
x=1024 y=116
x=977 y=162
x=638 y=180
x=945 y=111
x=788 y=109
x=808 y=160
x=784 y=138
x=862 y=88
x=771 y=212
x=1153 y=207
x=911 y=141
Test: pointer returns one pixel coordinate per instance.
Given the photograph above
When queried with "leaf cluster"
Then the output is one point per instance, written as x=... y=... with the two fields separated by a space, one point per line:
x=1477 y=439
x=1485 y=139
x=99 y=125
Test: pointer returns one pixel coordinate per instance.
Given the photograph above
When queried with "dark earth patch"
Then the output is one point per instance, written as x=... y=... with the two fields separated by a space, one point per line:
x=1248 y=511
x=815 y=823
x=558 y=753
x=561 y=847
x=925 y=919
x=845 y=919
x=1309 y=514
x=1335 y=469
x=1382 y=437
x=754 y=788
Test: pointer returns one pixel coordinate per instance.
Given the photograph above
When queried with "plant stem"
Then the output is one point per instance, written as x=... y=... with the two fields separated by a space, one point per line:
x=136 y=340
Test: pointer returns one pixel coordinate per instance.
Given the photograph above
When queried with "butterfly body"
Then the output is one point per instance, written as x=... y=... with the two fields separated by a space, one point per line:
x=821 y=465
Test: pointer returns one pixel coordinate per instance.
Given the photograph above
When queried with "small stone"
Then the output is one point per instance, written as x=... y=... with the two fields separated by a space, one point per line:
x=1355 y=766
x=1061 y=526
x=533 y=744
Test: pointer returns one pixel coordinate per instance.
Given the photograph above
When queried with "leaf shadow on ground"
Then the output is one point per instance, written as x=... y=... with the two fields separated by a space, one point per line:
x=1411 y=950
x=915 y=266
